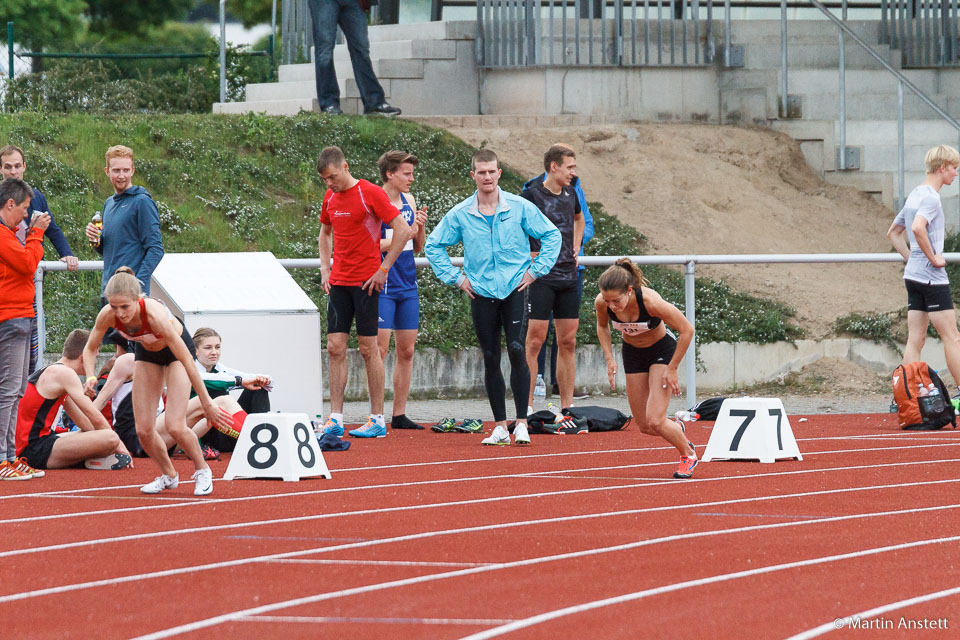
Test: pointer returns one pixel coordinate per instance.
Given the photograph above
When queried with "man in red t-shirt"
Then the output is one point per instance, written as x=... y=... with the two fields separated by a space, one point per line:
x=351 y=216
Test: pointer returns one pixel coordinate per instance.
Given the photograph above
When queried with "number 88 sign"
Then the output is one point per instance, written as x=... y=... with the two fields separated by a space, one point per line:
x=277 y=445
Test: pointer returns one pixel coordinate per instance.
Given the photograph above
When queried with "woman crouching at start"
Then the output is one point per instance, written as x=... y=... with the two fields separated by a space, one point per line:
x=164 y=354
x=651 y=352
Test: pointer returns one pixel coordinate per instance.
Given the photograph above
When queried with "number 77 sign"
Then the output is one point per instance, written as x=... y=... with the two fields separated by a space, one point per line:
x=752 y=429
x=277 y=445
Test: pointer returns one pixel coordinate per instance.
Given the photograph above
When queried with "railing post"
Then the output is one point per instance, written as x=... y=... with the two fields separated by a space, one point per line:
x=41 y=318
x=900 y=164
x=223 y=51
x=690 y=302
x=273 y=40
x=843 y=102
x=783 y=58
x=10 y=48
x=726 y=35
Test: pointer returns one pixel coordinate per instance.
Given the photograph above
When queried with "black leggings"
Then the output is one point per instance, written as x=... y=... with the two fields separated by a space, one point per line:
x=490 y=315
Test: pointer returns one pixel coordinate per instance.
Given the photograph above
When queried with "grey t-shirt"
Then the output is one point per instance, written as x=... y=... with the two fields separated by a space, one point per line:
x=560 y=210
x=923 y=201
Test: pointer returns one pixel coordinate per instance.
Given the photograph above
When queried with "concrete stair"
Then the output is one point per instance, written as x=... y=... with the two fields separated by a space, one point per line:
x=415 y=64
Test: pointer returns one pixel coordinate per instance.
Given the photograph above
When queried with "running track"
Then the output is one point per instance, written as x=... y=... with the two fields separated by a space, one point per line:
x=424 y=535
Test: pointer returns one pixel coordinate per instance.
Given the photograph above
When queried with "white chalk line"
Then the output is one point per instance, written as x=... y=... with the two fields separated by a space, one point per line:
x=637 y=595
x=472 y=622
x=229 y=617
x=381 y=563
x=873 y=613
x=431 y=534
x=216 y=501
x=457 y=503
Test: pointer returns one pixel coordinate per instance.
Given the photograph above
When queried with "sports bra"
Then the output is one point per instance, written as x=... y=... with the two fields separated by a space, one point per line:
x=146 y=335
x=644 y=322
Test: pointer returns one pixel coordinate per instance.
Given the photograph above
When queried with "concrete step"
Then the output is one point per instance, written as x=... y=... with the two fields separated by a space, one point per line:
x=448 y=30
x=400 y=49
x=305 y=89
x=384 y=68
x=270 y=107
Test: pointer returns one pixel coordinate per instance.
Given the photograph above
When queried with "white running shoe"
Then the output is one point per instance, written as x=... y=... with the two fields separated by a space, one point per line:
x=500 y=436
x=203 y=482
x=160 y=483
x=520 y=434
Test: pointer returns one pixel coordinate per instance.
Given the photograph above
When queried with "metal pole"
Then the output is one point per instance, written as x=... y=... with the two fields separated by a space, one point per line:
x=900 y=197
x=726 y=33
x=223 y=51
x=273 y=40
x=843 y=103
x=690 y=302
x=10 y=48
x=783 y=58
x=41 y=319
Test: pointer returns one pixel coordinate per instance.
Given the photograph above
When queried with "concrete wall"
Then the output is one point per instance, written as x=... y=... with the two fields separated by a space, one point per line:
x=725 y=365
x=660 y=94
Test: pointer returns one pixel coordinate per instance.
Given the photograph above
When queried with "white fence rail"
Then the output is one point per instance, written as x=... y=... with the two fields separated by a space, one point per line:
x=688 y=262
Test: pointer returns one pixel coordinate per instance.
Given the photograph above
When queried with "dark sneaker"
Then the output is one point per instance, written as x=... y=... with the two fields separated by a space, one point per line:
x=332 y=110
x=403 y=422
x=382 y=109
x=446 y=425
x=580 y=394
x=685 y=470
x=469 y=426
x=209 y=453
x=566 y=425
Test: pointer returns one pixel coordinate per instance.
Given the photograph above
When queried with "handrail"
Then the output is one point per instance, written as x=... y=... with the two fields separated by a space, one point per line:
x=689 y=263
x=920 y=94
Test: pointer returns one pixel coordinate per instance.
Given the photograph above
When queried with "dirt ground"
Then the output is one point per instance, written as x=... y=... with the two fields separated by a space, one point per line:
x=702 y=189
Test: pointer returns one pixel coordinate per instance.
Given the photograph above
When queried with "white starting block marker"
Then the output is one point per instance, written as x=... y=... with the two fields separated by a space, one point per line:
x=277 y=445
x=752 y=429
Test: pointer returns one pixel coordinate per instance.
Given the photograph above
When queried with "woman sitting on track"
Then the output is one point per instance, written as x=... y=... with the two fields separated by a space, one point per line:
x=651 y=353
x=164 y=353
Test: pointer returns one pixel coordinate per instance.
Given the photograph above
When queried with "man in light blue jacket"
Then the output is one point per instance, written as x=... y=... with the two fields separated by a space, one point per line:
x=495 y=228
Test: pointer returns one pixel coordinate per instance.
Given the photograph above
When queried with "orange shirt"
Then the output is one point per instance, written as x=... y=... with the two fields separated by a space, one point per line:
x=18 y=263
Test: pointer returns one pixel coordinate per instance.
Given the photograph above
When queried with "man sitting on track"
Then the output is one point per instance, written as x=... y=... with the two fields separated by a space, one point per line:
x=49 y=388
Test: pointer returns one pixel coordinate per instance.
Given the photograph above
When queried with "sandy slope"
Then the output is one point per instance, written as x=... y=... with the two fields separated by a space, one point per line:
x=726 y=190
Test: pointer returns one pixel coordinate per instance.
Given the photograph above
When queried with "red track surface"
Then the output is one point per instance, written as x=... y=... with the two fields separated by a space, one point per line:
x=424 y=535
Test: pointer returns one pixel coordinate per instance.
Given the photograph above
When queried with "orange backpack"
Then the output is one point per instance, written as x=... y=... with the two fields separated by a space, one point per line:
x=917 y=412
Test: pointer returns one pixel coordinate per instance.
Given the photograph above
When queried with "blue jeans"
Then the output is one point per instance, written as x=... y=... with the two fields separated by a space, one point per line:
x=327 y=14
x=14 y=361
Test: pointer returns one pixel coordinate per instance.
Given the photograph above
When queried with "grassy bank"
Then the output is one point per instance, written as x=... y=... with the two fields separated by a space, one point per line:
x=248 y=183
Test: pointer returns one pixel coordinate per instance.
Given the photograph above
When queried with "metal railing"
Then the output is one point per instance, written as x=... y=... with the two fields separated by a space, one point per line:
x=924 y=30
x=688 y=262
x=567 y=33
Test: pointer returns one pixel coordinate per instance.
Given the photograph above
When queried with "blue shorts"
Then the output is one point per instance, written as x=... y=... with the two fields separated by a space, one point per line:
x=400 y=313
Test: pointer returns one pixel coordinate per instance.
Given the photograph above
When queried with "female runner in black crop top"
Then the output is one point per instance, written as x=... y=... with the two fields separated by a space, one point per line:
x=651 y=353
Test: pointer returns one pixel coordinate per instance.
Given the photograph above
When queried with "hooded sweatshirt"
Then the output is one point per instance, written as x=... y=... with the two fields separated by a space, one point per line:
x=131 y=236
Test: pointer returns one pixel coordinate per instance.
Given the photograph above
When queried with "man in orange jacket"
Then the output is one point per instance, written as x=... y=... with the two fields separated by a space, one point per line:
x=18 y=263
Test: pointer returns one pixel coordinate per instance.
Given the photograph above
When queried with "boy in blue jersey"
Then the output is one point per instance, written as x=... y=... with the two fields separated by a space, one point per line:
x=400 y=301
x=495 y=228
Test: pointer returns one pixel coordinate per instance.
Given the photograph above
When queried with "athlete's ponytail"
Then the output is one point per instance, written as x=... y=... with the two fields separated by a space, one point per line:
x=620 y=275
x=123 y=283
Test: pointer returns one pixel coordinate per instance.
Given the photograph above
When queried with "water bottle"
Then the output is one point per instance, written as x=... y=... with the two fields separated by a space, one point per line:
x=98 y=223
x=552 y=409
x=687 y=416
x=922 y=391
x=933 y=391
x=318 y=423
x=540 y=389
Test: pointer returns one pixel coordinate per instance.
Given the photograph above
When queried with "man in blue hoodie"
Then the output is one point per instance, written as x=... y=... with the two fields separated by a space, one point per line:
x=131 y=224
x=13 y=165
x=495 y=228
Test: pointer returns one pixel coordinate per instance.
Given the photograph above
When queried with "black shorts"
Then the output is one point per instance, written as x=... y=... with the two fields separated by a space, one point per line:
x=639 y=360
x=38 y=451
x=164 y=356
x=928 y=297
x=559 y=297
x=345 y=303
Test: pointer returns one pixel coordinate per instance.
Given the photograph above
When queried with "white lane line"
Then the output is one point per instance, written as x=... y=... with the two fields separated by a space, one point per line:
x=523 y=496
x=380 y=563
x=473 y=622
x=215 y=501
x=228 y=617
x=851 y=621
x=432 y=534
x=637 y=595
x=504 y=458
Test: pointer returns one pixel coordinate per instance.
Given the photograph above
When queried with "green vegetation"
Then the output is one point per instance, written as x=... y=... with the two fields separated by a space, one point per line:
x=249 y=183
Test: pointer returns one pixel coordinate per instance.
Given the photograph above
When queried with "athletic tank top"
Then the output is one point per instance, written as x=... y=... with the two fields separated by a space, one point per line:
x=644 y=322
x=402 y=278
x=146 y=335
x=36 y=414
